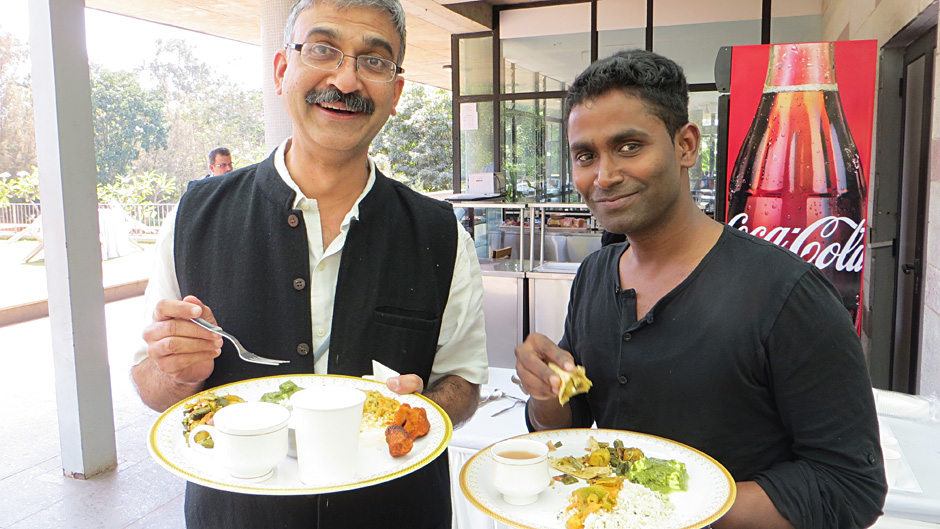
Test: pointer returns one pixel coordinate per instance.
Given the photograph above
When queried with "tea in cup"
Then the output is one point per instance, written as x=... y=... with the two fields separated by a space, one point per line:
x=520 y=470
x=249 y=438
x=326 y=425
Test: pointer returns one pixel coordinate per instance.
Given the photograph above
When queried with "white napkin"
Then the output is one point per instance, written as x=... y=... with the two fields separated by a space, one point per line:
x=380 y=373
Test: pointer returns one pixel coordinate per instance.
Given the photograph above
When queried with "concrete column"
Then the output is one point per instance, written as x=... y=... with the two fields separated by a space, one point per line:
x=66 y=156
x=277 y=125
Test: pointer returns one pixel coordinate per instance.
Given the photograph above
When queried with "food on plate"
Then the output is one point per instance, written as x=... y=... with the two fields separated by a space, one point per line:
x=378 y=411
x=605 y=459
x=201 y=411
x=572 y=382
x=285 y=390
x=413 y=420
x=400 y=442
x=616 y=503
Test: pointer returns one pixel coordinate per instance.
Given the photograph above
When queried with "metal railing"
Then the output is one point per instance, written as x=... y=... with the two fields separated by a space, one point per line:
x=15 y=217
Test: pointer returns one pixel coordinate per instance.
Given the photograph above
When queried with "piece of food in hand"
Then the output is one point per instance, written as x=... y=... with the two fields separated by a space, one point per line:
x=413 y=420
x=399 y=440
x=572 y=382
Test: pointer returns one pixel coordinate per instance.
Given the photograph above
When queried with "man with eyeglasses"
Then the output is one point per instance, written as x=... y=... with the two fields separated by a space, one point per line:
x=315 y=257
x=220 y=162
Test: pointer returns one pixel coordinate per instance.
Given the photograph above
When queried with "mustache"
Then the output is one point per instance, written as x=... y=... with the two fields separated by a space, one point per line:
x=354 y=102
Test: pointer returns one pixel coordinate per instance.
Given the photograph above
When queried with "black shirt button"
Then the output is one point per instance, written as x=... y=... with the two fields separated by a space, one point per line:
x=871 y=459
x=292 y=220
x=299 y=283
x=303 y=349
x=623 y=379
x=627 y=337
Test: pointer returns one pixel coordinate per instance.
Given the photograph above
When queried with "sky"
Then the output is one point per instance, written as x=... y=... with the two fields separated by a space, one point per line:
x=107 y=37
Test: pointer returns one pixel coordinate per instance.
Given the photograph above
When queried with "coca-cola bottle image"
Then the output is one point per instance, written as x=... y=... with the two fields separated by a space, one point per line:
x=798 y=180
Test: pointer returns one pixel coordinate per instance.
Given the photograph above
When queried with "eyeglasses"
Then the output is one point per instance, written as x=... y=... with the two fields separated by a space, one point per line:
x=229 y=165
x=328 y=58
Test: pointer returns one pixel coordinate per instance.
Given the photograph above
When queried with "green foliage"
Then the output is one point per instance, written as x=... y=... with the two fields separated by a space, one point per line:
x=127 y=119
x=148 y=186
x=17 y=140
x=20 y=188
x=416 y=146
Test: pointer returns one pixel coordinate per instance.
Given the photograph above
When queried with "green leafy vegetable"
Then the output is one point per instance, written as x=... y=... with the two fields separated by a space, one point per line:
x=659 y=475
x=286 y=389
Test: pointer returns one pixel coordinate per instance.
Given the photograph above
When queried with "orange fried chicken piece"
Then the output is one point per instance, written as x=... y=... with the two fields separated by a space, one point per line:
x=413 y=420
x=399 y=441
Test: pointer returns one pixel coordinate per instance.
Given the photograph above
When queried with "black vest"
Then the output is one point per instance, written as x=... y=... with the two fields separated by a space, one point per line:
x=242 y=250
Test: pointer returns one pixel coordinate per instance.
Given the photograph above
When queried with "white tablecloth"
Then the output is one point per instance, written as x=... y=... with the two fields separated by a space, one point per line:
x=919 y=443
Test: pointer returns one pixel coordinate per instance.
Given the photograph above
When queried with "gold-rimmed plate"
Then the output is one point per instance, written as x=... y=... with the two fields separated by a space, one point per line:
x=710 y=495
x=373 y=463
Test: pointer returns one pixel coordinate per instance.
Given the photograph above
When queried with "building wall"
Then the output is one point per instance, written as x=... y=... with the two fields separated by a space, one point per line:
x=882 y=19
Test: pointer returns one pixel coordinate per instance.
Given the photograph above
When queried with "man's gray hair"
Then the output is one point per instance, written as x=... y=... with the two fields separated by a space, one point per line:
x=392 y=7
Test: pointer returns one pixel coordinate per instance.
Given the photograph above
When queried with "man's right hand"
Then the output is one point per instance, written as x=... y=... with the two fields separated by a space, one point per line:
x=541 y=383
x=178 y=348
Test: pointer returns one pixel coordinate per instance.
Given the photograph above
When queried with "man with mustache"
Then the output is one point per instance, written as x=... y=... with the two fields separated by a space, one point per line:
x=697 y=332
x=314 y=256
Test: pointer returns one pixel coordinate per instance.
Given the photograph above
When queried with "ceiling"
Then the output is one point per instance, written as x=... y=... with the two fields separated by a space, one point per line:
x=430 y=23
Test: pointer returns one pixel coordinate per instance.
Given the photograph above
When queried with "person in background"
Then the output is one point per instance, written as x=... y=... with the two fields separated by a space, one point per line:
x=220 y=162
x=314 y=256
x=697 y=332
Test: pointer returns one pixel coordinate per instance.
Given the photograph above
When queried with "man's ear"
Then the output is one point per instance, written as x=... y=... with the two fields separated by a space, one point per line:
x=688 y=139
x=399 y=86
x=280 y=66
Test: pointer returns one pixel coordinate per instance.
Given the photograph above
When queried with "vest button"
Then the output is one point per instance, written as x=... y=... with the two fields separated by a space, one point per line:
x=292 y=220
x=623 y=379
x=299 y=283
x=627 y=336
x=303 y=349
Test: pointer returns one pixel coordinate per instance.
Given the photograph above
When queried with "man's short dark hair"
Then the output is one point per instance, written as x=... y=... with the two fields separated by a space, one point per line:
x=654 y=79
x=218 y=150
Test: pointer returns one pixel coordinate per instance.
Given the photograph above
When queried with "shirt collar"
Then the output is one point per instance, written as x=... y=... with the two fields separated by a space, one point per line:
x=299 y=198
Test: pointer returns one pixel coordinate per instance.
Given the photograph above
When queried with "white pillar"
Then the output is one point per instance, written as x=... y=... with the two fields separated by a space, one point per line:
x=277 y=125
x=66 y=156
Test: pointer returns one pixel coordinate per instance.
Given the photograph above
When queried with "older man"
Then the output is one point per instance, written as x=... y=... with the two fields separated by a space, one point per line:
x=220 y=162
x=315 y=251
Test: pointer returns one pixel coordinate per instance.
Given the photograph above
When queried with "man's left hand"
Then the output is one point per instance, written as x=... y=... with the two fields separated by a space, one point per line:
x=404 y=384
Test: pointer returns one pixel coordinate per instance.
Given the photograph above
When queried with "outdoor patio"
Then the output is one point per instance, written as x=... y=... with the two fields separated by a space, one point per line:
x=33 y=491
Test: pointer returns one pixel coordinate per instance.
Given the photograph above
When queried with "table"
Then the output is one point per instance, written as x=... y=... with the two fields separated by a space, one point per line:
x=919 y=443
x=478 y=433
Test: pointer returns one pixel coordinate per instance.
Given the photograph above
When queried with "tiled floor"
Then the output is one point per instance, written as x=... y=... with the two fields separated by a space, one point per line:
x=33 y=491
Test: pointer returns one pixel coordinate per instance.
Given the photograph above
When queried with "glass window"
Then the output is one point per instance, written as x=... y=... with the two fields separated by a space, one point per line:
x=476 y=139
x=621 y=25
x=476 y=65
x=544 y=48
x=691 y=33
x=534 y=151
x=796 y=21
x=703 y=111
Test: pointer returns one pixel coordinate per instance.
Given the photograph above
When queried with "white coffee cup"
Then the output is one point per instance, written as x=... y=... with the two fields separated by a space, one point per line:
x=520 y=470
x=326 y=424
x=249 y=438
x=892 y=464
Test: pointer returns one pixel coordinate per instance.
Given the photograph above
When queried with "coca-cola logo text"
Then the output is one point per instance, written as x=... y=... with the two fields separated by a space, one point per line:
x=847 y=256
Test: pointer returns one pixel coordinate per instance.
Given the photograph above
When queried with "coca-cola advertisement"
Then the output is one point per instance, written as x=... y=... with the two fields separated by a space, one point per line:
x=799 y=152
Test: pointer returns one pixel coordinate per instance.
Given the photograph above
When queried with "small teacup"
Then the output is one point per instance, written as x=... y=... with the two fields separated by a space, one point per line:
x=520 y=470
x=249 y=438
x=326 y=423
x=892 y=464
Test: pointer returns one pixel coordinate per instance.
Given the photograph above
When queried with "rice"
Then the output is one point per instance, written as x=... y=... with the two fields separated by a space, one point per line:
x=637 y=508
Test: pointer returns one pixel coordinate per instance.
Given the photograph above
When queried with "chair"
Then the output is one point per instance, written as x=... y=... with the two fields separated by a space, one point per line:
x=501 y=253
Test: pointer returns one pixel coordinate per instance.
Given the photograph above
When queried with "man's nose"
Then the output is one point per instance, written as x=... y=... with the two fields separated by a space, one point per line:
x=608 y=173
x=345 y=78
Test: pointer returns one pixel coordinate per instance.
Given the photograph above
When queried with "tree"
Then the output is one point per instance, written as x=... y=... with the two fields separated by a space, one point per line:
x=128 y=120
x=415 y=146
x=17 y=138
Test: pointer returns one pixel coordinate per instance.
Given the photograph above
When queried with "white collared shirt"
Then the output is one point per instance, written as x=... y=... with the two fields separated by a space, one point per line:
x=461 y=346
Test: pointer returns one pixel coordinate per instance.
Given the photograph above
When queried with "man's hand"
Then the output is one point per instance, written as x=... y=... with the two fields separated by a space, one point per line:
x=541 y=383
x=180 y=354
x=455 y=395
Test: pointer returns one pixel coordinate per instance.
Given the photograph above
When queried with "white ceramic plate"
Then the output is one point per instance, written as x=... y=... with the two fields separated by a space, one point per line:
x=710 y=495
x=374 y=464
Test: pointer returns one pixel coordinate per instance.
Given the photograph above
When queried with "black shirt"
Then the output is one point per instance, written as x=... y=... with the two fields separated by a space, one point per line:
x=751 y=359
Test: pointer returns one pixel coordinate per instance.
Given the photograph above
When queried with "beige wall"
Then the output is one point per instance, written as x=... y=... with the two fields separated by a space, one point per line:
x=882 y=19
